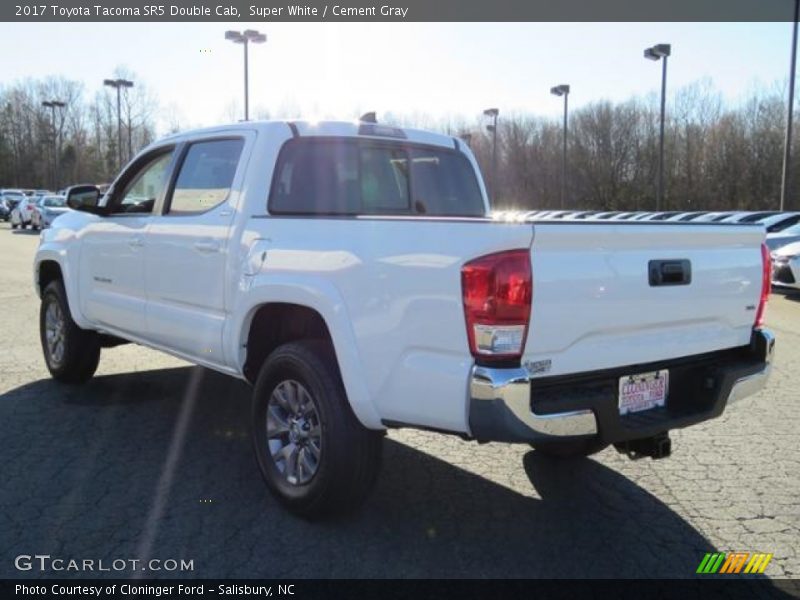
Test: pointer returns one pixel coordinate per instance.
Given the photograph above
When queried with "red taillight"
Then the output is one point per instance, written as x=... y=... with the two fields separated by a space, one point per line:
x=497 y=291
x=766 y=285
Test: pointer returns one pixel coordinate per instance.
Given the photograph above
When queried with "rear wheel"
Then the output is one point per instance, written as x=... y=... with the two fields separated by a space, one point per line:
x=71 y=353
x=566 y=449
x=315 y=456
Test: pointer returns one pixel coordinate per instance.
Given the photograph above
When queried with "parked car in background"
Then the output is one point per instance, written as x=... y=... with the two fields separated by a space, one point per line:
x=688 y=216
x=47 y=209
x=749 y=216
x=780 y=222
x=586 y=214
x=786 y=266
x=39 y=194
x=712 y=217
x=22 y=213
x=10 y=199
x=783 y=238
x=661 y=216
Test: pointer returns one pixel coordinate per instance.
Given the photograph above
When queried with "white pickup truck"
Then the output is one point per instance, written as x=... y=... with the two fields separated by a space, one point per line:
x=351 y=272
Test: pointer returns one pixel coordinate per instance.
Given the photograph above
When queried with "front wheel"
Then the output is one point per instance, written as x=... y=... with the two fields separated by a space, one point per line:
x=569 y=449
x=71 y=353
x=315 y=456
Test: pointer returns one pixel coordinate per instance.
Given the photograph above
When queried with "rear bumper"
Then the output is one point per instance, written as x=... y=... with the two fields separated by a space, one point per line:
x=507 y=405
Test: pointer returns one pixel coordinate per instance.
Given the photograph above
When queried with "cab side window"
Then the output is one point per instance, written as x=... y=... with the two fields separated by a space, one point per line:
x=205 y=177
x=142 y=191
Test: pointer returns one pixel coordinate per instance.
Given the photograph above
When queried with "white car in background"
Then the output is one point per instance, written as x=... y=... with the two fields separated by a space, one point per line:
x=22 y=213
x=786 y=266
x=780 y=222
x=47 y=209
x=783 y=238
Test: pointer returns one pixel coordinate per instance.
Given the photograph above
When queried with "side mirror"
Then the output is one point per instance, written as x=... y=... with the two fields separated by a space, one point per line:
x=84 y=198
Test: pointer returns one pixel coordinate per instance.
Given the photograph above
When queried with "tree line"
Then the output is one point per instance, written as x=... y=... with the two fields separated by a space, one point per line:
x=717 y=156
x=49 y=148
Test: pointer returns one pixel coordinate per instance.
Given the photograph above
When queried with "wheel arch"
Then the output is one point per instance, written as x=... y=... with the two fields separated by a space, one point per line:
x=50 y=266
x=311 y=315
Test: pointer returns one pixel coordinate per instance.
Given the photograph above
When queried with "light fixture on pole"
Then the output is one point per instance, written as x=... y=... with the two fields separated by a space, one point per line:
x=52 y=105
x=660 y=52
x=118 y=84
x=563 y=90
x=245 y=38
x=493 y=113
x=787 y=144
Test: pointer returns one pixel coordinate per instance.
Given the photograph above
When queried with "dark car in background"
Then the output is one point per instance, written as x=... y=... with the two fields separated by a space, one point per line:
x=9 y=199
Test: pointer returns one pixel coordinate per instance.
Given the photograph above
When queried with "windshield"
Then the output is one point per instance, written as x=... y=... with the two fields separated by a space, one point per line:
x=54 y=201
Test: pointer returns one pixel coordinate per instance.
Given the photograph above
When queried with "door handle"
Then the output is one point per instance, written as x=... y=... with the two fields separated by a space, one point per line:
x=136 y=242
x=206 y=246
x=670 y=272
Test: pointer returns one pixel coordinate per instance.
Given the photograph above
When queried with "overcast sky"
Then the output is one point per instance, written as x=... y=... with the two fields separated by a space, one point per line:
x=332 y=69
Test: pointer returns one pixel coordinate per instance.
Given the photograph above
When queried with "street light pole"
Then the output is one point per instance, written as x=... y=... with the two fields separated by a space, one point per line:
x=118 y=84
x=493 y=113
x=52 y=105
x=245 y=38
x=787 y=144
x=563 y=90
x=660 y=51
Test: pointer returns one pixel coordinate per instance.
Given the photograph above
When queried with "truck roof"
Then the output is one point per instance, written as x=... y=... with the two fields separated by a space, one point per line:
x=310 y=128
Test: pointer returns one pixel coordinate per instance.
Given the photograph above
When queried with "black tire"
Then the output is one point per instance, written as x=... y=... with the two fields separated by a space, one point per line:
x=23 y=225
x=80 y=349
x=348 y=454
x=13 y=226
x=570 y=449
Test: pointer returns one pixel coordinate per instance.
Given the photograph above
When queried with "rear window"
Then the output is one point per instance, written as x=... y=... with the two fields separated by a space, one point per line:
x=367 y=177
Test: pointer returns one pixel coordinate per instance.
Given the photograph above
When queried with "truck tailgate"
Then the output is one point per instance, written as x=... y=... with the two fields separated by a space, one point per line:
x=596 y=304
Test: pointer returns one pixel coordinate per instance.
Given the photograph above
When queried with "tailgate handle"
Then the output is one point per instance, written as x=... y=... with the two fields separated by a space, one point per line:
x=670 y=272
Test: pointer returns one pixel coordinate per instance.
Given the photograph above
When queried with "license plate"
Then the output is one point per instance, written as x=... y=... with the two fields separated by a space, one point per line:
x=643 y=391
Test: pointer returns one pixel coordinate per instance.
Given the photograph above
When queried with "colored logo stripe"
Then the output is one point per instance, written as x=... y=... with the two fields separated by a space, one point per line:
x=734 y=562
x=719 y=562
x=758 y=563
x=711 y=562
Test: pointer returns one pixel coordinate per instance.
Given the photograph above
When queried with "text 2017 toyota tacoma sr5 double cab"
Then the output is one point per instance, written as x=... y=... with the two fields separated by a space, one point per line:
x=350 y=272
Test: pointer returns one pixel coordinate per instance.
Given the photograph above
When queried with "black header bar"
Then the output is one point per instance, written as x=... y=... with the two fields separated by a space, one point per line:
x=398 y=10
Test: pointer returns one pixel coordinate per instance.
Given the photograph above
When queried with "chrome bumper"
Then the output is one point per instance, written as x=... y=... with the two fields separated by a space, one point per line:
x=500 y=407
x=764 y=347
x=501 y=399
